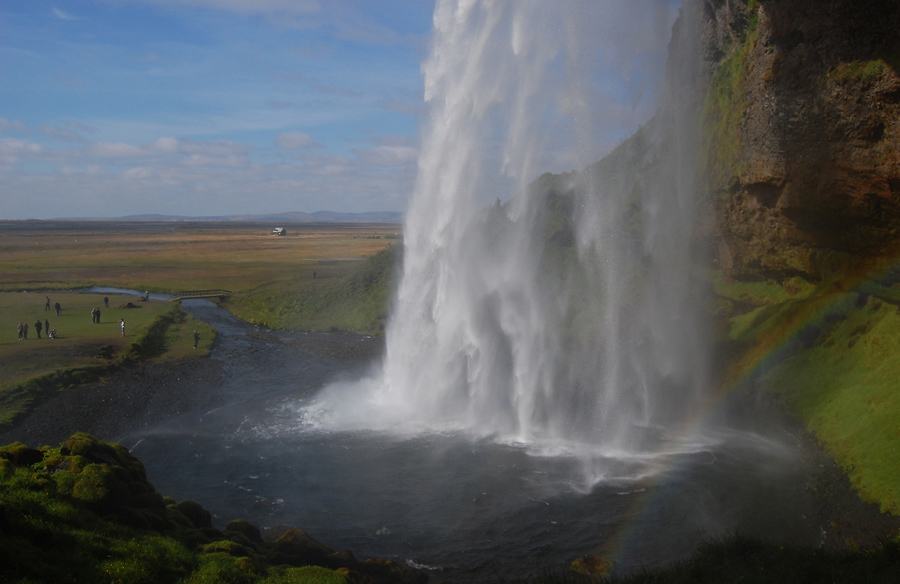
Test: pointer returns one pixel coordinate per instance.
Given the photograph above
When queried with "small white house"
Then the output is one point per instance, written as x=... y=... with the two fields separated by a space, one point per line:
x=279 y=231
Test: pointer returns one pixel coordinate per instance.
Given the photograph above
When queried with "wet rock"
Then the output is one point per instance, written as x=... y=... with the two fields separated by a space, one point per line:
x=811 y=184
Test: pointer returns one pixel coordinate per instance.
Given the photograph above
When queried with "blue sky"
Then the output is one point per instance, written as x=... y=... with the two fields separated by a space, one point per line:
x=206 y=107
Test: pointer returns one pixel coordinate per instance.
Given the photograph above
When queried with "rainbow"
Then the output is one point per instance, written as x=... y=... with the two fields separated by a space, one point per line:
x=772 y=345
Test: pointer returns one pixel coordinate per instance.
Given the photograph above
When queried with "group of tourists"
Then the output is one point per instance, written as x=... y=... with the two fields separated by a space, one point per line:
x=44 y=326
x=56 y=307
x=50 y=333
x=38 y=327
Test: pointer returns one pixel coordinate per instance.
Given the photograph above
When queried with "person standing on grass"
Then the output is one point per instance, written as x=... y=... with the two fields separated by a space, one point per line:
x=196 y=338
x=46 y=327
x=122 y=325
x=58 y=308
x=38 y=325
x=25 y=330
x=21 y=330
x=98 y=314
x=94 y=316
x=47 y=305
x=106 y=302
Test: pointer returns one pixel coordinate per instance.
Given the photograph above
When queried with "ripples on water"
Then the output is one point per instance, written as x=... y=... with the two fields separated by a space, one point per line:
x=462 y=505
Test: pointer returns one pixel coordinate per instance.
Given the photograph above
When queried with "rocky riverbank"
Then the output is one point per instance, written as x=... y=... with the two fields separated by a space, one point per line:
x=129 y=398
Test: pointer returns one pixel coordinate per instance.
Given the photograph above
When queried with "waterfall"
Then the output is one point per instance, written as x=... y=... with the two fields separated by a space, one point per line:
x=554 y=308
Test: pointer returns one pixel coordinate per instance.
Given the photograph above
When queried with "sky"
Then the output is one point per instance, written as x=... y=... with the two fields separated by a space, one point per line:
x=111 y=108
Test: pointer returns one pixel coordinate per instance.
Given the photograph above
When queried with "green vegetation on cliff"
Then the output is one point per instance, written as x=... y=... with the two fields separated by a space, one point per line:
x=832 y=354
x=84 y=512
x=844 y=386
x=357 y=302
x=724 y=109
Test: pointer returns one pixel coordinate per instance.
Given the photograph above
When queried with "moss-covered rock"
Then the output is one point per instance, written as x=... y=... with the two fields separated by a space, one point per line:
x=195 y=513
x=85 y=512
x=245 y=528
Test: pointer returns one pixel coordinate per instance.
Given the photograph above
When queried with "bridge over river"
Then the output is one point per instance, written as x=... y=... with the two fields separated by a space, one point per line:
x=191 y=294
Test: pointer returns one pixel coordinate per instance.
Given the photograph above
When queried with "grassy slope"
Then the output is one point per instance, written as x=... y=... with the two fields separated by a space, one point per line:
x=356 y=302
x=844 y=387
x=833 y=356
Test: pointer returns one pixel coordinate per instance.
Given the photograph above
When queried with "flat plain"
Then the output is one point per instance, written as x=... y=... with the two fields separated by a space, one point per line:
x=59 y=259
x=178 y=255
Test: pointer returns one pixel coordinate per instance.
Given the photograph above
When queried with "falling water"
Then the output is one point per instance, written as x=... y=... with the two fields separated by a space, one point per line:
x=566 y=315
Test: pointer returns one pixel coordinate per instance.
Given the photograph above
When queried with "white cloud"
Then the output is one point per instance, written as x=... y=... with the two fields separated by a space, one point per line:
x=60 y=133
x=218 y=151
x=137 y=173
x=166 y=145
x=249 y=6
x=14 y=126
x=214 y=148
x=117 y=150
x=64 y=15
x=389 y=155
x=12 y=147
x=207 y=160
x=294 y=140
x=90 y=170
x=197 y=183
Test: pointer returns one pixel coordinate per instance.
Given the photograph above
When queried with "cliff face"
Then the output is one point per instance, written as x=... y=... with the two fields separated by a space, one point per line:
x=802 y=134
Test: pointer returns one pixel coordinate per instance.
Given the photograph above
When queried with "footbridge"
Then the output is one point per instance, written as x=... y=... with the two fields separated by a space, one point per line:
x=191 y=294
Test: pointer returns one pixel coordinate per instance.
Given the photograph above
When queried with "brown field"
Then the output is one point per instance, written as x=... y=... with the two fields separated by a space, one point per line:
x=173 y=256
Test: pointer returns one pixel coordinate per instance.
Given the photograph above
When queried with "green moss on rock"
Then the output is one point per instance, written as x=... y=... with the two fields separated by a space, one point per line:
x=85 y=512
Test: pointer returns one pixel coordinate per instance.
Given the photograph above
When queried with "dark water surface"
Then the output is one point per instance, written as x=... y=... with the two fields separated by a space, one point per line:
x=469 y=509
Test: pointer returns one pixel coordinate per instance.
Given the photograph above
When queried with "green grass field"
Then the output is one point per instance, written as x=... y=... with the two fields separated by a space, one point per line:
x=79 y=342
x=82 y=348
x=357 y=302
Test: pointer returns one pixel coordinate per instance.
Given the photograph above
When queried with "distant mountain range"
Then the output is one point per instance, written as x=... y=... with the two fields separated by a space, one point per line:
x=289 y=217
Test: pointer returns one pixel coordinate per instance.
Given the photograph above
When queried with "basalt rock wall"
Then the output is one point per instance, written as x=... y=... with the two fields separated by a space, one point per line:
x=801 y=120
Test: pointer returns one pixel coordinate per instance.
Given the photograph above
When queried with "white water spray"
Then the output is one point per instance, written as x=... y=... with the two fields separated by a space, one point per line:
x=567 y=314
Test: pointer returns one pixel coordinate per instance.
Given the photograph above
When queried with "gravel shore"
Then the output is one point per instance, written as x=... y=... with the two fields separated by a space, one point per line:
x=129 y=398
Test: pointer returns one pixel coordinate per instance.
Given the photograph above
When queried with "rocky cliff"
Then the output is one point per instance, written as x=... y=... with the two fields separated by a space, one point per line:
x=800 y=167
x=802 y=134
